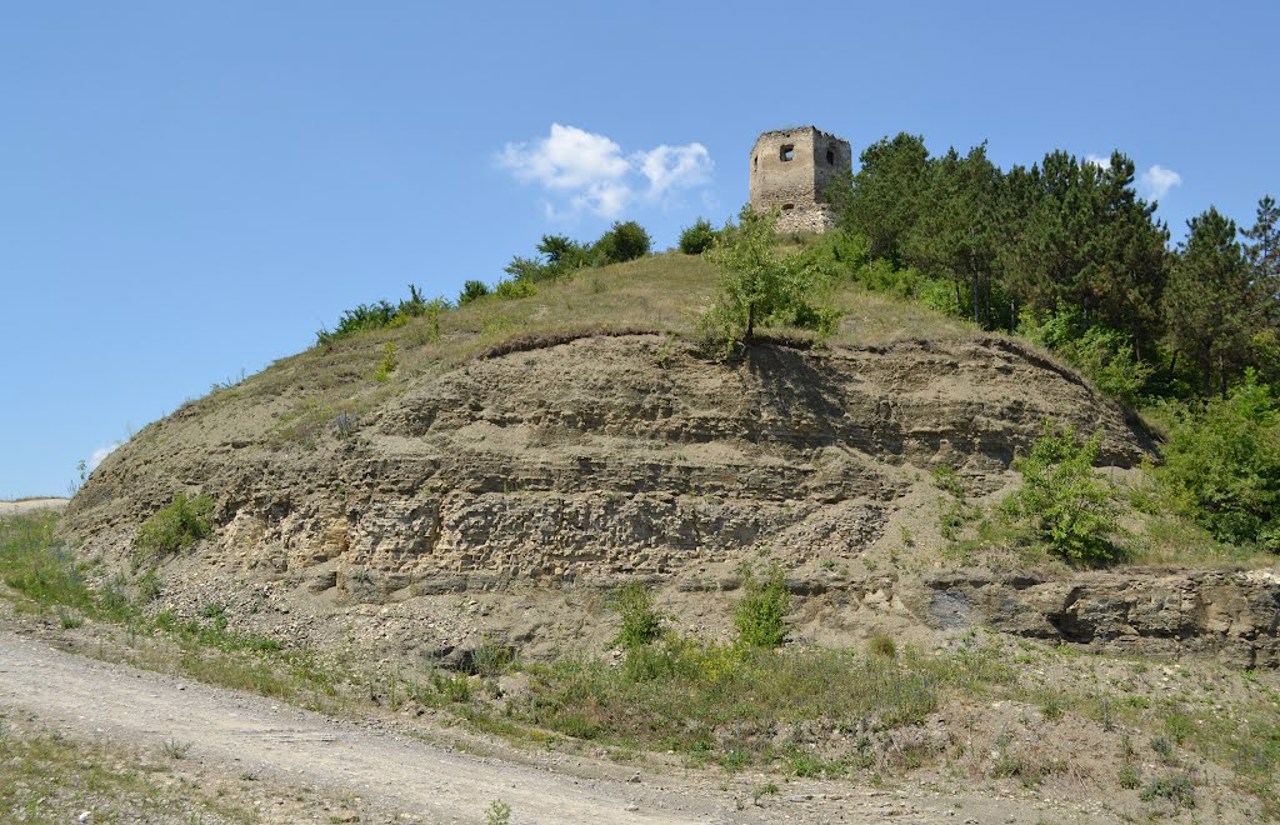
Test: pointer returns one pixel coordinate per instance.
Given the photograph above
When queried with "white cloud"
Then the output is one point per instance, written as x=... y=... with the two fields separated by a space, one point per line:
x=586 y=172
x=568 y=159
x=674 y=167
x=100 y=454
x=1157 y=181
x=1098 y=160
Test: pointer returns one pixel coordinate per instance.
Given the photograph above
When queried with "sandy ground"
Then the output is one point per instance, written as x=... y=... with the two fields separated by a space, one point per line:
x=31 y=505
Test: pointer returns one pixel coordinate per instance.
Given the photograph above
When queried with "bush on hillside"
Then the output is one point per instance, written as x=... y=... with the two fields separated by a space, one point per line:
x=1104 y=355
x=760 y=287
x=177 y=526
x=472 y=291
x=641 y=621
x=623 y=242
x=1222 y=466
x=761 y=615
x=512 y=288
x=368 y=317
x=1064 y=503
x=696 y=239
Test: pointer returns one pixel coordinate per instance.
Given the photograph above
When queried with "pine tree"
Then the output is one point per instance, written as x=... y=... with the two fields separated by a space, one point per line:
x=1263 y=252
x=1210 y=300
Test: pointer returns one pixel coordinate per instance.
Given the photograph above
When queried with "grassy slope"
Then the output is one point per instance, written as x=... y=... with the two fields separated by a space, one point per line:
x=661 y=293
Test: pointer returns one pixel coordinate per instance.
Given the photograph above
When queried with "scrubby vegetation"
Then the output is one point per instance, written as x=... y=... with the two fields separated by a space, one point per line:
x=696 y=239
x=761 y=287
x=1062 y=501
x=1222 y=465
x=177 y=526
x=382 y=315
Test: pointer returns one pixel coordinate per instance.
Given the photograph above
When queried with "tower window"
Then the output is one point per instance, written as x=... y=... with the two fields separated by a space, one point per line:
x=831 y=158
x=787 y=152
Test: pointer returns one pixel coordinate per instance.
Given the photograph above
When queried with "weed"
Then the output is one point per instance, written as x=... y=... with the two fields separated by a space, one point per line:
x=491 y=658
x=736 y=760
x=148 y=587
x=1051 y=707
x=345 y=424
x=641 y=622
x=498 y=813
x=1179 y=727
x=760 y=616
x=663 y=356
x=1179 y=789
x=761 y=791
x=174 y=749
x=388 y=364
x=454 y=687
x=1129 y=777
x=882 y=645
x=175 y=527
x=946 y=478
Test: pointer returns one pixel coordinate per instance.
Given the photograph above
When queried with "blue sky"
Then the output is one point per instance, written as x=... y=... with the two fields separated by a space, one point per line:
x=189 y=190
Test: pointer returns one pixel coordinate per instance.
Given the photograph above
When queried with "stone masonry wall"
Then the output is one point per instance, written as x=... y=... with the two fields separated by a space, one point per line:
x=790 y=169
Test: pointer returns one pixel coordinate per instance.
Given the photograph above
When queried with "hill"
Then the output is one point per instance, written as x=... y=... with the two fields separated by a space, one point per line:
x=515 y=458
x=450 y=516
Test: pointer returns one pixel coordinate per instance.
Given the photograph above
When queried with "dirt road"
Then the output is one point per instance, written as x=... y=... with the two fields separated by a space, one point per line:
x=97 y=699
x=402 y=778
x=31 y=505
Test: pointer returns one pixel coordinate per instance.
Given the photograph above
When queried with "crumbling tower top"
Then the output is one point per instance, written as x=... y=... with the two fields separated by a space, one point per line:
x=790 y=170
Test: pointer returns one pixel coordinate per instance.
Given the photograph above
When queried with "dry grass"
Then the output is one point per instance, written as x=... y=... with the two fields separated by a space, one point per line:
x=663 y=293
x=45 y=777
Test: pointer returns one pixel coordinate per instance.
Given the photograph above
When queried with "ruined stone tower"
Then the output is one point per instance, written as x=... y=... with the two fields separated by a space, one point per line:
x=790 y=169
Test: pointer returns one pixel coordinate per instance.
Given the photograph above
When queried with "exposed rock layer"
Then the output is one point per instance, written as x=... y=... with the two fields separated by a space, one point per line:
x=590 y=461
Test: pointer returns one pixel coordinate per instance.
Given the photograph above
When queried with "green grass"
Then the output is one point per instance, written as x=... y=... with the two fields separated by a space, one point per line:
x=724 y=701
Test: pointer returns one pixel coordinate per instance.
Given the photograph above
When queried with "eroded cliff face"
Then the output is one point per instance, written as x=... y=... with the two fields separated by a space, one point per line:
x=453 y=499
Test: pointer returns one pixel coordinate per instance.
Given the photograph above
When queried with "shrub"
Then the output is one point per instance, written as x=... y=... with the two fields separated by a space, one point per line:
x=1104 y=355
x=759 y=287
x=623 y=242
x=498 y=813
x=882 y=645
x=388 y=363
x=761 y=615
x=514 y=288
x=176 y=527
x=472 y=291
x=881 y=275
x=696 y=239
x=1222 y=466
x=345 y=424
x=1064 y=503
x=1177 y=789
x=368 y=317
x=641 y=623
